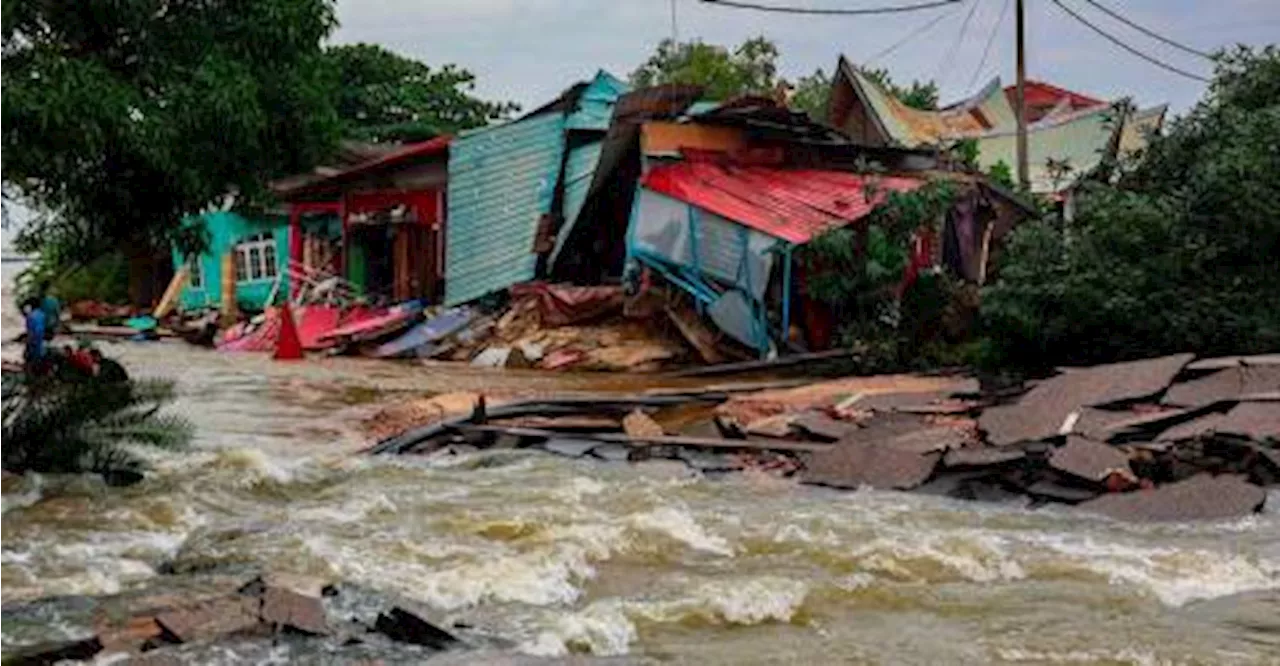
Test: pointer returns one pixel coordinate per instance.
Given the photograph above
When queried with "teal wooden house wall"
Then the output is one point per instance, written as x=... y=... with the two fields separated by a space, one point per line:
x=226 y=229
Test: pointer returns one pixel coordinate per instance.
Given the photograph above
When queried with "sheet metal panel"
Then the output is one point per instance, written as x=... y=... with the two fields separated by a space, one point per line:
x=579 y=170
x=501 y=180
x=595 y=107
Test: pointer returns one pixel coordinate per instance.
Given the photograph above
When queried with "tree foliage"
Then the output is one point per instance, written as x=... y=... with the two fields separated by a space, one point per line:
x=919 y=95
x=750 y=68
x=856 y=272
x=383 y=96
x=811 y=94
x=123 y=117
x=65 y=424
x=1180 y=255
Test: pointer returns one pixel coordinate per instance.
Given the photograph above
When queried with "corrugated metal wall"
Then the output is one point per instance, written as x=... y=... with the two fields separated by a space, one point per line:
x=501 y=180
x=580 y=168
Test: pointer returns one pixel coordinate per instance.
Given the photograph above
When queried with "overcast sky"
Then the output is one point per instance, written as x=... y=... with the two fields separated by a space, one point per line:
x=529 y=50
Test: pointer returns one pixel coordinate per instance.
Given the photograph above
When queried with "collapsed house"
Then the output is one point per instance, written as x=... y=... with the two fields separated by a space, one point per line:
x=1070 y=136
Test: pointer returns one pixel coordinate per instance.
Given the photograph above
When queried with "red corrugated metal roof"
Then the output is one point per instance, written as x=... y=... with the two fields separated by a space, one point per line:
x=792 y=204
x=436 y=146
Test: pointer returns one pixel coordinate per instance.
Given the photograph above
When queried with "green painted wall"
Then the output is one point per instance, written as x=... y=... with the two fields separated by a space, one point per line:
x=225 y=230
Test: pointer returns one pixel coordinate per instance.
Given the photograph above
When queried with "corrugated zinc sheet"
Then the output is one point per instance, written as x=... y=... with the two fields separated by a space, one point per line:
x=1078 y=140
x=791 y=204
x=580 y=168
x=913 y=128
x=1139 y=127
x=595 y=107
x=501 y=180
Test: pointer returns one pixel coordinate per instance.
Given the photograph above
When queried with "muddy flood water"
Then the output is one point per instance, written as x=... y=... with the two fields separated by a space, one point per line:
x=574 y=557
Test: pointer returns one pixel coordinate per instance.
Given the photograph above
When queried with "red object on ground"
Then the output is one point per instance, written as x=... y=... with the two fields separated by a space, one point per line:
x=792 y=204
x=561 y=305
x=313 y=322
x=288 y=344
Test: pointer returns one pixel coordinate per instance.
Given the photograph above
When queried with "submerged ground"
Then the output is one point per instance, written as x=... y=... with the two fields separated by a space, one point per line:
x=568 y=556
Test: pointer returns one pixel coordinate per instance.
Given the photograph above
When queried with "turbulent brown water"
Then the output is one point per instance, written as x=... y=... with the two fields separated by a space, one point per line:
x=568 y=556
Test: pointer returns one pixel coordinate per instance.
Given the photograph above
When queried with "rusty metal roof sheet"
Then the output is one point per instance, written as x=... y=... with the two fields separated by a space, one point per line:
x=1200 y=497
x=791 y=204
x=907 y=127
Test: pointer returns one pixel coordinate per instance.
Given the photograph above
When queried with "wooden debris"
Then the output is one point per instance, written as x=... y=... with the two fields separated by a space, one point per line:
x=780 y=425
x=697 y=334
x=1089 y=460
x=667 y=440
x=639 y=424
x=1201 y=497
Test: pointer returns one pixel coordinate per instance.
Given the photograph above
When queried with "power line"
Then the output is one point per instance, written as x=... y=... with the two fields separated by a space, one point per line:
x=986 y=50
x=838 y=12
x=1150 y=33
x=908 y=37
x=944 y=65
x=1115 y=40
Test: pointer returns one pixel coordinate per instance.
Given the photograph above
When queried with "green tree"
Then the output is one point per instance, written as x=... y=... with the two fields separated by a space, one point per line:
x=919 y=95
x=750 y=68
x=123 y=117
x=811 y=93
x=1180 y=255
x=386 y=97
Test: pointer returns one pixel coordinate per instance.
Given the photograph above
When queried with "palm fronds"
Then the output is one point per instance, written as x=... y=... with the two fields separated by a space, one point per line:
x=67 y=426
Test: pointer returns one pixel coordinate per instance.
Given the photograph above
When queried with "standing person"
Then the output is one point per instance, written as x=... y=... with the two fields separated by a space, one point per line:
x=52 y=309
x=33 y=355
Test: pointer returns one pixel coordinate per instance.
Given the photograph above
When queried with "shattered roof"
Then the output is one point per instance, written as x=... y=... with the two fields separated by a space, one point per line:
x=1139 y=127
x=1044 y=99
x=904 y=126
x=1079 y=140
x=401 y=154
x=791 y=204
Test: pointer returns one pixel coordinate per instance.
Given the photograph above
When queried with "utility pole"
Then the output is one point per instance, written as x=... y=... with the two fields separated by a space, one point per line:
x=675 y=28
x=1020 y=101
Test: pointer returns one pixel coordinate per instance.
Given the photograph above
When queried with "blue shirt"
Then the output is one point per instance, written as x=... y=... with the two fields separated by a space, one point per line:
x=37 y=322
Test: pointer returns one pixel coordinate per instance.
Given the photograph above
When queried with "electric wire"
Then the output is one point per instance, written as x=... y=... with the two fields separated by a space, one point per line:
x=791 y=9
x=1146 y=31
x=1118 y=42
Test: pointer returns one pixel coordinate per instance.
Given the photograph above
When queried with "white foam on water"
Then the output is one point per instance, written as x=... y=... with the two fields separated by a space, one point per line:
x=602 y=629
x=754 y=601
x=681 y=526
x=1175 y=576
x=972 y=556
x=1123 y=656
x=577 y=488
x=32 y=492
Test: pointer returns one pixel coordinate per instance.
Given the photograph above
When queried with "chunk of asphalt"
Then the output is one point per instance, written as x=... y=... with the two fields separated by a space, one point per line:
x=1089 y=460
x=572 y=448
x=850 y=464
x=986 y=456
x=1201 y=497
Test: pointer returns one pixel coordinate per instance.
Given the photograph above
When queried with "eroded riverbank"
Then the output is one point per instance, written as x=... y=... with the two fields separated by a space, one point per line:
x=573 y=556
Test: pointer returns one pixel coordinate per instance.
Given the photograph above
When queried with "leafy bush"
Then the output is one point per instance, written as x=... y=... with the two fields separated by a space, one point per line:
x=1182 y=254
x=71 y=425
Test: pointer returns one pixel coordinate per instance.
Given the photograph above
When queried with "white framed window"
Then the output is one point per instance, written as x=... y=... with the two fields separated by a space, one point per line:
x=255 y=258
x=195 y=272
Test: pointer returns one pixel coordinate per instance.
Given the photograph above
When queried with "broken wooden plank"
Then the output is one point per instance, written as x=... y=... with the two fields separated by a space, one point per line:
x=696 y=334
x=1201 y=497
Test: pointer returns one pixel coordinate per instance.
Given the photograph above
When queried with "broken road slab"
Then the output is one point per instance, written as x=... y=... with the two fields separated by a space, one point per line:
x=1089 y=460
x=1226 y=384
x=1201 y=497
x=1043 y=411
x=985 y=456
x=850 y=465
